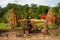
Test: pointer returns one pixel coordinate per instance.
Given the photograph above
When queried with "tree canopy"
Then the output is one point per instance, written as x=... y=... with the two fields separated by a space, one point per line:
x=22 y=11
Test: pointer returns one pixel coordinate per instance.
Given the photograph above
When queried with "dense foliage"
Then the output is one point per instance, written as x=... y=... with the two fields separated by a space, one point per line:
x=22 y=11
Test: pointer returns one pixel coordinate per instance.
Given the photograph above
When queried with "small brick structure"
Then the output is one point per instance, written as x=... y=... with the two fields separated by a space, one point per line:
x=12 y=18
x=51 y=17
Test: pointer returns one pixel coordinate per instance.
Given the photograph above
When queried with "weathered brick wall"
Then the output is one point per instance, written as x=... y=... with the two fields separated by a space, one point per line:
x=12 y=18
x=51 y=16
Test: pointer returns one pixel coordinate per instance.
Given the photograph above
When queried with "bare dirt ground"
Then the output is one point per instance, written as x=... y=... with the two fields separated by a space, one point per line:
x=30 y=37
x=12 y=35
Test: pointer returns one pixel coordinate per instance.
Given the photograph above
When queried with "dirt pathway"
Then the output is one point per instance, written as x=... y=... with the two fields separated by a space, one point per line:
x=32 y=37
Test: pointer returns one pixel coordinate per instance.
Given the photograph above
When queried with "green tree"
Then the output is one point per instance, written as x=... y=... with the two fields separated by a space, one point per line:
x=58 y=7
x=2 y=18
x=42 y=10
x=33 y=10
x=25 y=10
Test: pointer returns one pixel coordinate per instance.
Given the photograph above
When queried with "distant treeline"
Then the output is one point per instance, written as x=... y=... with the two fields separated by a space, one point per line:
x=22 y=11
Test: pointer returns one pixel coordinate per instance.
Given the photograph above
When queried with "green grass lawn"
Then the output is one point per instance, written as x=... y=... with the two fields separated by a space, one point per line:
x=4 y=26
x=39 y=24
x=52 y=26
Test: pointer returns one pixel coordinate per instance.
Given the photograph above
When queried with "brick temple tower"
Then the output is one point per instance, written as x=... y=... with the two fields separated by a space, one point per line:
x=12 y=18
x=51 y=16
